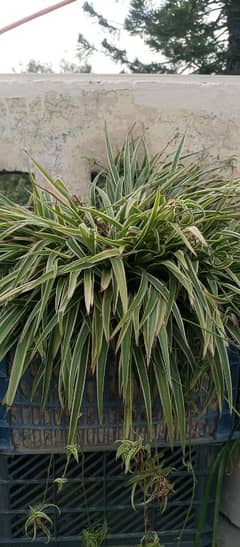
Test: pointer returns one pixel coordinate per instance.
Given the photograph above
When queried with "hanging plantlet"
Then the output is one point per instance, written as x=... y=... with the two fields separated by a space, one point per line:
x=94 y=537
x=40 y=521
x=150 y=476
x=150 y=539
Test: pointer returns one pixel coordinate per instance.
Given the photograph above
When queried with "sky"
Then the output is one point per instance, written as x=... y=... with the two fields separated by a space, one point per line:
x=54 y=36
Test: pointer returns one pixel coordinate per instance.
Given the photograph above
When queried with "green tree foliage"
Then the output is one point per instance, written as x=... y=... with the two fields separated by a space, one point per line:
x=75 y=68
x=79 y=65
x=36 y=67
x=199 y=36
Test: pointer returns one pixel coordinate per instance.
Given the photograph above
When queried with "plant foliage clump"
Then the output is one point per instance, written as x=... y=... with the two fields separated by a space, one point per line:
x=149 y=473
x=147 y=271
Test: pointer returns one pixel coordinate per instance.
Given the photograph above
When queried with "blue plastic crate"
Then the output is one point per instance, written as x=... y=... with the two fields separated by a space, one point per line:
x=25 y=428
x=106 y=489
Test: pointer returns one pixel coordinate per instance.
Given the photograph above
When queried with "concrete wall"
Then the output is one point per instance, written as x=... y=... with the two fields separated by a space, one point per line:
x=229 y=535
x=61 y=119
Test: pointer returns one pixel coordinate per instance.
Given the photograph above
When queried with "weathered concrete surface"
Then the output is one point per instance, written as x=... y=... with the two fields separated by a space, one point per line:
x=60 y=119
x=230 y=506
x=229 y=535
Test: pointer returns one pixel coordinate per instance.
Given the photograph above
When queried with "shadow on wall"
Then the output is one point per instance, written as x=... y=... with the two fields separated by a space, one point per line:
x=15 y=185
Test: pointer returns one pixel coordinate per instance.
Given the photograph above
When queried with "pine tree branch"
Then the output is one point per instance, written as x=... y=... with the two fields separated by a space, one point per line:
x=192 y=35
x=88 y=8
x=84 y=47
x=120 y=55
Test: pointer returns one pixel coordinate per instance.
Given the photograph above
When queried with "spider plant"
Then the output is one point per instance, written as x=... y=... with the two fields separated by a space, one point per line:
x=150 y=539
x=94 y=537
x=71 y=452
x=129 y=452
x=148 y=269
x=149 y=474
x=39 y=521
x=152 y=479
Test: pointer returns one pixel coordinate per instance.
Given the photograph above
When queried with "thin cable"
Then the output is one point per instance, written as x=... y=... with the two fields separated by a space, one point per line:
x=35 y=15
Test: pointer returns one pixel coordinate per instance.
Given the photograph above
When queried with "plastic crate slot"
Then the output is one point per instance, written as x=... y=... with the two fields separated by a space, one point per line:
x=108 y=497
x=26 y=428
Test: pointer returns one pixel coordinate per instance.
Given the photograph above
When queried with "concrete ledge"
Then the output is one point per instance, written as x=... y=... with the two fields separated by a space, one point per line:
x=60 y=118
x=230 y=505
x=229 y=535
